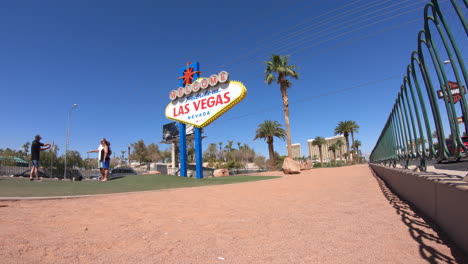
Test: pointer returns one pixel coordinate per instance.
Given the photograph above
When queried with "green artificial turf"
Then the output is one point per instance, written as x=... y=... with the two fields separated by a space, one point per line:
x=22 y=187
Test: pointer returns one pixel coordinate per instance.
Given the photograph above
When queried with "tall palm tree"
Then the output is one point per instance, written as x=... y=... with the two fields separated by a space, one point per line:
x=228 y=147
x=333 y=147
x=267 y=131
x=357 y=144
x=339 y=143
x=278 y=69
x=220 y=151
x=26 y=149
x=344 y=128
x=354 y=129
x=239 y=145
x=319 y=142
x=122 y=156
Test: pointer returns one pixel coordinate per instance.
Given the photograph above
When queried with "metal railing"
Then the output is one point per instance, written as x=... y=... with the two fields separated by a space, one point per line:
x=10 y=166
x=412 y=132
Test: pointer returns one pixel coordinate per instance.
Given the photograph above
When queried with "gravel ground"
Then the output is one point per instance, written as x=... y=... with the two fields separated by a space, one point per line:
x=333 y=215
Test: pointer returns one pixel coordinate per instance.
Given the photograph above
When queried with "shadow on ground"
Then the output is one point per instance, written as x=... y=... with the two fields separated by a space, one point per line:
x=420 y=226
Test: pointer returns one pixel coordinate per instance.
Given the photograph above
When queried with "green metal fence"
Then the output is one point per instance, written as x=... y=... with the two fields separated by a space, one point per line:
x=425 y=122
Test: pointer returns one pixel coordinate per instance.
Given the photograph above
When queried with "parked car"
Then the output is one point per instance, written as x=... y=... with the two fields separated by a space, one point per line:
x=449 y=143
x=115 y=173
x=120 y=172
x=27 y=174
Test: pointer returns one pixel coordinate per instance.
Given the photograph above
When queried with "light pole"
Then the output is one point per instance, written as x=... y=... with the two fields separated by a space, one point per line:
x=128 y=154
x=449 y=61
x=67 y=140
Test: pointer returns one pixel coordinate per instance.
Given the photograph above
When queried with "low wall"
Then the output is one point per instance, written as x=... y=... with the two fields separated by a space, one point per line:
x=442 y=198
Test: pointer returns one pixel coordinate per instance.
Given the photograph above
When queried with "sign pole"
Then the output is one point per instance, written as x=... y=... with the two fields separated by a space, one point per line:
x=182 y=139
x=198 y=134
x=198 y=153
x=183 y=150
x=173 y=151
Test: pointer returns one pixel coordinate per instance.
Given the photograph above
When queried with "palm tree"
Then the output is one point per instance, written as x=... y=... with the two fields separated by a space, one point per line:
x=26 y=148
x=356 y=146
x=220 y=153
x=319 y=142
x=339 y=143
x=228 y=147
x=354 y=129
x=346 y=155
x=267 y=131
x=333 y=147
x=239 y=145
x=344 y=128
x=278 y=69
x=122 y=156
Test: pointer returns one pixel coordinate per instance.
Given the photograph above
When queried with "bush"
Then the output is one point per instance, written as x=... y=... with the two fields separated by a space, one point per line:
x=279 y=162
x=229 y=165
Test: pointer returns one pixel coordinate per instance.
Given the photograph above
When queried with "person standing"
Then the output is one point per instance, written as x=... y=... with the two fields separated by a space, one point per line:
x=106 y=162
x=36 y=148
x=103 y=158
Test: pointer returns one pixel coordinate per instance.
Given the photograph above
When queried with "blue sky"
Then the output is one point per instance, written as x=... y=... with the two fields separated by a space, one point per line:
x=118 y=60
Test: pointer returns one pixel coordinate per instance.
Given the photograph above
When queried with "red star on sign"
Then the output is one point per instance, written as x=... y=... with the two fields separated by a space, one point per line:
x=188 y=74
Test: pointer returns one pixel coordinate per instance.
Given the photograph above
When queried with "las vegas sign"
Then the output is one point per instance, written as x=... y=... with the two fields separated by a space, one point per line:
x=203 y=101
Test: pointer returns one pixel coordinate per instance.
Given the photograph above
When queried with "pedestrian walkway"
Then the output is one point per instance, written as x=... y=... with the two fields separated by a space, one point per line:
x=329 y=215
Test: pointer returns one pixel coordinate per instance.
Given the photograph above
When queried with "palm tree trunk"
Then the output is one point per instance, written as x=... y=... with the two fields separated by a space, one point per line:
x=272 y=153
x=352 y=138
x=284 y=95
x=357 y=154
x=347 y=148
x=321 y=156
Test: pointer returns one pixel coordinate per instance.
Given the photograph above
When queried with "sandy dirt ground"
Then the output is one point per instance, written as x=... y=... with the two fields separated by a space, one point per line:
x=334 y=215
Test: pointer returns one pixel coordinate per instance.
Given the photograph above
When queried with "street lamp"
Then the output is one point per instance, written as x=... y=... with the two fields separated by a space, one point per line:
x=67 y=140
x=128 y=154
x=449 y=61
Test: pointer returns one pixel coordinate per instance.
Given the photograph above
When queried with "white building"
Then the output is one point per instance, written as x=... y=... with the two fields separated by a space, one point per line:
x=327 y=155
x=296 y=150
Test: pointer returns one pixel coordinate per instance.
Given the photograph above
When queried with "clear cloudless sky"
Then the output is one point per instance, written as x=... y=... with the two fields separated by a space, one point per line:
x=118 y=60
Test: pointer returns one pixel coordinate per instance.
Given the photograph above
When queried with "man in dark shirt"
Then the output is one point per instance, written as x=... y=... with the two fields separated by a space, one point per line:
x=35 y=153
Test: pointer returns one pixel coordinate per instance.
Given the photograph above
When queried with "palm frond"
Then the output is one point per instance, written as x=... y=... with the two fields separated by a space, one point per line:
x=270 y=128
x=269 y=78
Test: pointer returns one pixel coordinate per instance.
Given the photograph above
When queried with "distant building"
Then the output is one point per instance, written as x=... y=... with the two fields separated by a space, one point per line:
x=327 y=155
x=296 y=150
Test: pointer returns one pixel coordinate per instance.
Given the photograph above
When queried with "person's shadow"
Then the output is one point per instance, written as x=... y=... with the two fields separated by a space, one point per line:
x=418 y=225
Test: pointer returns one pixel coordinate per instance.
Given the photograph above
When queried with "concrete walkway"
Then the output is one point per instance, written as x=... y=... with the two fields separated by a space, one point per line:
x=333 y=215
